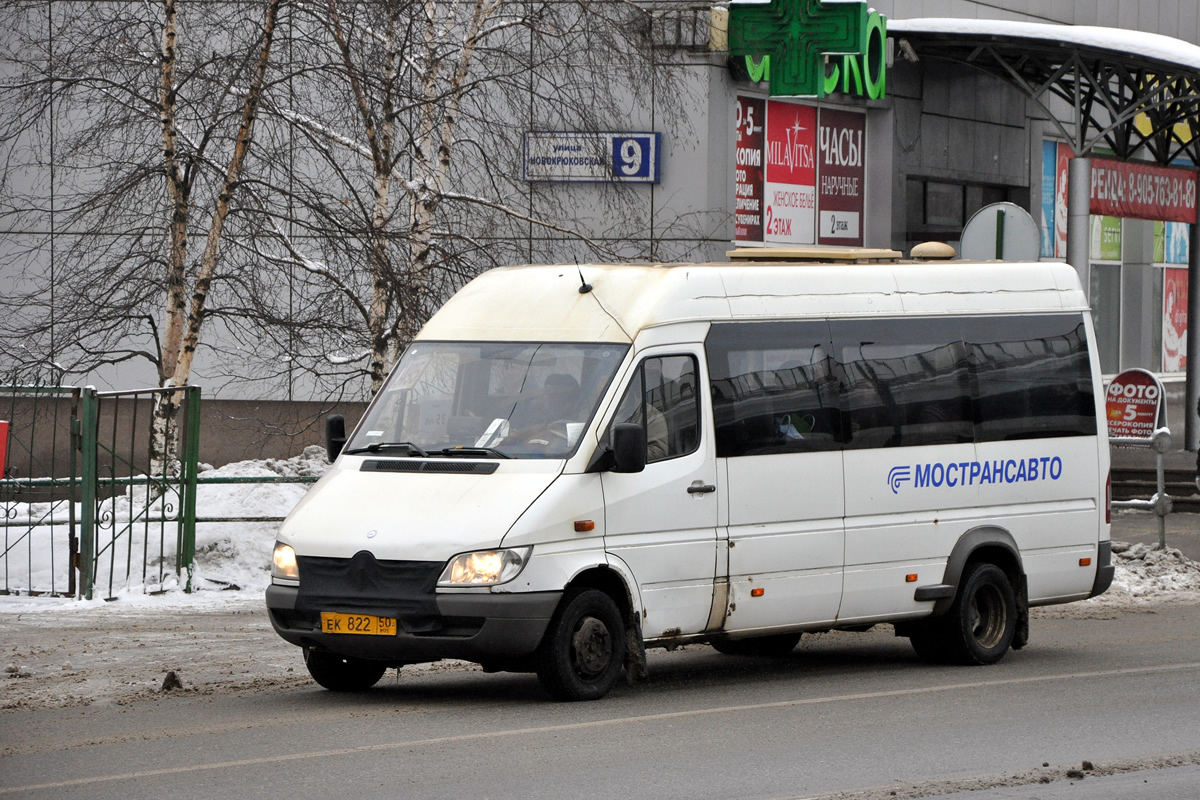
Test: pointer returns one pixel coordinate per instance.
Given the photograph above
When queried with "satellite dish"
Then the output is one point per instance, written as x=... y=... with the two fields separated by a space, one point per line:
x=1001 y=231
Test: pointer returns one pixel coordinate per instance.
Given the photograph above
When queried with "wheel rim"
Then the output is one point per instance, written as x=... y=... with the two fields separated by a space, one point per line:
x=988 y=616
x=591 y=648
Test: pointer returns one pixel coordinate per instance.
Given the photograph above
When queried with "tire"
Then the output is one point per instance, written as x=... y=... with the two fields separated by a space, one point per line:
x=343 y=673
x=581 y=655
x=979 y=627
x=775 y=646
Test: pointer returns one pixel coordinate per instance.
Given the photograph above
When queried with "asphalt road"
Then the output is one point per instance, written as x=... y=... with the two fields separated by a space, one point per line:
x=851 y=715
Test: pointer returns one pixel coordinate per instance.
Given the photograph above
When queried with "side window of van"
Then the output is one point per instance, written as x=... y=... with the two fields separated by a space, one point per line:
x=905 y=382
x=773 y=387
x=662 y=398
x=1033 y=377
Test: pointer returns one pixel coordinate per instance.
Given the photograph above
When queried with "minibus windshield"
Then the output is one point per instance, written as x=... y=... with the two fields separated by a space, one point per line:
x=488 y=400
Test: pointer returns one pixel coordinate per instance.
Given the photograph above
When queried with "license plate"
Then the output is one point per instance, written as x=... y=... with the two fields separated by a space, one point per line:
x=361 y=624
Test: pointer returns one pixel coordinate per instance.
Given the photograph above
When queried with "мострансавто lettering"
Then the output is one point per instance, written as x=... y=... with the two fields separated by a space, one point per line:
x=975 y=473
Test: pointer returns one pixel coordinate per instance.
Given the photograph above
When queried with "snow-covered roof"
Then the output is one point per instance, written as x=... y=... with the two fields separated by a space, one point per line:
x=1134 y=45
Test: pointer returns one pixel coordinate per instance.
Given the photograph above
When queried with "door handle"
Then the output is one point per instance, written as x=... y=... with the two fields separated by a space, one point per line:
x=700 y=487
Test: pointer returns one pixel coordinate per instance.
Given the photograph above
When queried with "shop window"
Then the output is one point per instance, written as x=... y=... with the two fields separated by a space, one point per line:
x=1105 y=297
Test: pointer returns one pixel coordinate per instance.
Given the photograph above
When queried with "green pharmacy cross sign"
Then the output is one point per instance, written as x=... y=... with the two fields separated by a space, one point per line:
x=796 y=35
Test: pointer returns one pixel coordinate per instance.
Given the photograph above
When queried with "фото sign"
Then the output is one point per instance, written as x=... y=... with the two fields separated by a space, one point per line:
x=3 y=445
x=786 y=42
x=591 y=157
x=800 y=174
x=1133 y=404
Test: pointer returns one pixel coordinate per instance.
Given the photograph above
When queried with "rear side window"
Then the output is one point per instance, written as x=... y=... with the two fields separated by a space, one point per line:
x=782 y=387
x=905 y=382
x=773 y=387
x=1033 y=378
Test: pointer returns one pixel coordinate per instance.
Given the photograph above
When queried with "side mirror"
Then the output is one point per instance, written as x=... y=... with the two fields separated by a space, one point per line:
x=335 y=435
x=628 y=447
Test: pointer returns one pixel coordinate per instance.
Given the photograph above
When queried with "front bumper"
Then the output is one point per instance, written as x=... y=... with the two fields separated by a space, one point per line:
x=471 y=627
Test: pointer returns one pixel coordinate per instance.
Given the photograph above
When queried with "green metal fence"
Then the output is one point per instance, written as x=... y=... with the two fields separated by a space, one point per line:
x=40 y=489
x=84 y=495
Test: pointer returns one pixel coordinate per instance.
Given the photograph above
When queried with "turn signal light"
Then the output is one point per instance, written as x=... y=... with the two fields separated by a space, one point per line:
x=757 y=592
x=1085 y=562
x=910 y=578
x=584 y=525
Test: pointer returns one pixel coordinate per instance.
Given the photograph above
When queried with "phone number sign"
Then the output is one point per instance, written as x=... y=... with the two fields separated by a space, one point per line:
x=592 y=157
x=1132 y=404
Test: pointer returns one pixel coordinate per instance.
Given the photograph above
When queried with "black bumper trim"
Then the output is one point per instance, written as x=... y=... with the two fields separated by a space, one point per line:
x=478 y=628
x=1104 y=569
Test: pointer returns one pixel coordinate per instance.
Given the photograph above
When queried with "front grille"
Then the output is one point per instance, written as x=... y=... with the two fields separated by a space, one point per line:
x=403 y=590
x=456 y=467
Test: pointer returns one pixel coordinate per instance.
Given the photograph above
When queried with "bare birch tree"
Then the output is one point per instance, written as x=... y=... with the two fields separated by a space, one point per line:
x=412 y=124
x=150 y=112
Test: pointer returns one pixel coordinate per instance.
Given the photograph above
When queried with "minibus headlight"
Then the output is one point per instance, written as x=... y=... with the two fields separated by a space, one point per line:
x=283 y=564
x=485 y=567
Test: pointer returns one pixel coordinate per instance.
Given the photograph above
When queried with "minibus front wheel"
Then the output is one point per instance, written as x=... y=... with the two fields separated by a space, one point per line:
x=581 y=655
x=342 y=673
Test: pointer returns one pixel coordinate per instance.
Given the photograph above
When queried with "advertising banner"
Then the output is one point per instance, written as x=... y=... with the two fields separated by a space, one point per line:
x=1132 y=404
x=1175 y=243
x=841 y=144
x=1143 y=191
x=1106 y=238
x=1174 y=320
x=1062 y=157
x=790 y=186
x=3 y=445
x=1049 y=163
x=748 y=182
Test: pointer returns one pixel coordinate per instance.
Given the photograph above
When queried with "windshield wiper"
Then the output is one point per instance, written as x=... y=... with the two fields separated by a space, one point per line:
x=469 y=451
x=375 y=447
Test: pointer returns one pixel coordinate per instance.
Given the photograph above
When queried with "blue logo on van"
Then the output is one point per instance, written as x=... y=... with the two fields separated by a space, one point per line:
x=975 y=473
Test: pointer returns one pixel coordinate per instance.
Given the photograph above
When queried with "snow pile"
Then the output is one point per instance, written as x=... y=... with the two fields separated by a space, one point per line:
x=1143 y=572
x=312 y=463
x=237 y=555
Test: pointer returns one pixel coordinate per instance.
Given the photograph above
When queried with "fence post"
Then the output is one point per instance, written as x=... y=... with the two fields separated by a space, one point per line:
x=89 y=424
x=189 y=467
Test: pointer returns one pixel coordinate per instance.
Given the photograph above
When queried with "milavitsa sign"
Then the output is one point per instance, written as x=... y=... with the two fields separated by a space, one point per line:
x=785 y=42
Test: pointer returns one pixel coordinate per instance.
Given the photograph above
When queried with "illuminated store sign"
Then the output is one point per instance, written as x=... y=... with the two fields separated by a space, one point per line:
x=785 y=42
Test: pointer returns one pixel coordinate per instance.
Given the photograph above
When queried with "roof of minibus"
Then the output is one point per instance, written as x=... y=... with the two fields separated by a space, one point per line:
x=545 y=302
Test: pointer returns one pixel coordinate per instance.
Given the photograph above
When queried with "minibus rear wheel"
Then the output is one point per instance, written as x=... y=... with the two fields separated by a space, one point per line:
x=581 y=655
x=978 y=629
x=343 y=673
x=773 y=646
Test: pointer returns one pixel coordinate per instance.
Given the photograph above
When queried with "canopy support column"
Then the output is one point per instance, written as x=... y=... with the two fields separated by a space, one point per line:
x=1191 y=425
x=1079 y=201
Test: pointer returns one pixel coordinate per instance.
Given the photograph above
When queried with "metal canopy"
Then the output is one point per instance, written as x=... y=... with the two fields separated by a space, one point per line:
x=1107 y=76
x=1106 y=86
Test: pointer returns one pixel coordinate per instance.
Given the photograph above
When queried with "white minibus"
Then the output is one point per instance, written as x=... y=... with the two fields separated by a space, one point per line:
x=572 y=463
